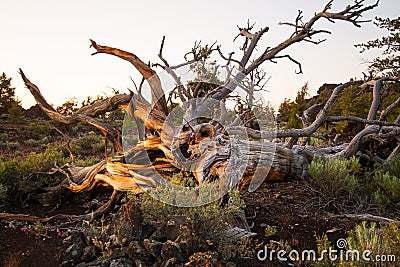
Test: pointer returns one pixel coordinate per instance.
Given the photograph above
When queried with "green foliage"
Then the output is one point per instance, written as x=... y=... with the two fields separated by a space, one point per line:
x=323 y=245
x=206 y=220
x=7 y=94
x=289 y=111
x=32 y=142
x=389 y=63
x=389 y=183
x=14 y=169
x=270 y=230
x=243 y=248
x=384 y=240
x=353 y=101
x=381 y=200
x=393 y=166
x=39 y=227
x=316 y=142
x=388 y=190
x=380 y=240
x=183 y=180
x=15 y=113
x=86 y=162
x=3 y=137
x=3 y=190
x=68 y=107
x=91 y=142
x=335 y=178
x=37 y=129
x=12 y=145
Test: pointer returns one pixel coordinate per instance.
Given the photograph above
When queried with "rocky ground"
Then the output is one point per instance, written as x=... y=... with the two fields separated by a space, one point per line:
x=122 y=239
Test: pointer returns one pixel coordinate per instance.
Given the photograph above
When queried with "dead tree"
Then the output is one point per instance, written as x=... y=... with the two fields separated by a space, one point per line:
x=209 y=152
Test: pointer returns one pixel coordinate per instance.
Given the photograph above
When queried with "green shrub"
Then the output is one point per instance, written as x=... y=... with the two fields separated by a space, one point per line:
x=206 y=219
x=89 y=143
x=388 y=189
x=389 y=183
x=86 y=162
x=14 y=169
x=381 y=200
x=32 y=142
x=3 y=192
x=3 y=137
x=335 y=179
x=316 y=142
x=384 y=240
x=242 y=248
x=270 y=230
x=380 y=240
x=13 y=145
x=37 y=129
x=393 y=166
x=323 y=245
x=15 y=113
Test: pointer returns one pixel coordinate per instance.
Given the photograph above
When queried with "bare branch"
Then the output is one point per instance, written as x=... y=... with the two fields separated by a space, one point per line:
x=292 y=59
x=386 y=112
x=229 y=59
x=305 y=31
x=157 y=93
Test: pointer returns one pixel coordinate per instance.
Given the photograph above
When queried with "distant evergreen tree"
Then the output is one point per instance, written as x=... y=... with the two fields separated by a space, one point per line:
x=7 y=94
x=289 y=111
x=389 y=63
x=16 y=112
x=68 y=107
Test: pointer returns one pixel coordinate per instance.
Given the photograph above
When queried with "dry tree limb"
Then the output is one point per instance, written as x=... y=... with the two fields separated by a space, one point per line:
x=82 y=116
x=157 y=93
x=354 y=144
x=302 y=33
x=366 y=217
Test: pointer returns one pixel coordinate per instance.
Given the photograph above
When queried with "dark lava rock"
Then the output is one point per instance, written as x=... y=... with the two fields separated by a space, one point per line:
x=89 y=254
x=74 y=244
x=172 y=262
x=122 y=262
x=206 y=259
x=190 y=243
x=170 y=249
x=153 y=247
x=174 y=226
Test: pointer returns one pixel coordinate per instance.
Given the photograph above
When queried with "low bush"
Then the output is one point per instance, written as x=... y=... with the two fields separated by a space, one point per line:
x=15 y=171
x=380 y=240
x=383 y=240
x=336 y=180
x=12 y=145
x=3 y=192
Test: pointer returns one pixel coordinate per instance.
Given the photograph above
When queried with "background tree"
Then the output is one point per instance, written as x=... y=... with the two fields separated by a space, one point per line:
x=290 y=112
x=16 y=112
x=7 y=94
x=68 y=107
x=389 y=63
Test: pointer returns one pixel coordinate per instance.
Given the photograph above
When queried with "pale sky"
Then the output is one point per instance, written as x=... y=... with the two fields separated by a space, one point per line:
x=49 y=40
